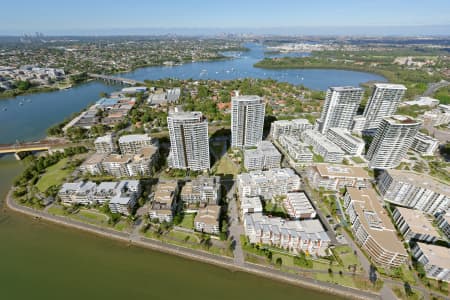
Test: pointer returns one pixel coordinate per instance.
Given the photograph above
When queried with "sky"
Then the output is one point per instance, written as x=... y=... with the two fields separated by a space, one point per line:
x=135 y=16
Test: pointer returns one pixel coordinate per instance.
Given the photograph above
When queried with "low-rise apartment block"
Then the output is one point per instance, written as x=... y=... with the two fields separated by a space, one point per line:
x=164 y=201
x=373 y=229
x=292 y=127
x=443 y=222
x=295 y=236
x=415 y=225
x=133 y=143
x=208 y=219
x=435 y=259
x=346 y=141
x=77 y=192
x=323 y=146
x=424 y=144
x=125 y=197
x=201 y=191
x=299 y=152
x=105 y=144
x=264 y=157
x=298 y=206
x=250 y=205
x=93 y=164
x=268 y=184
x=414 y=190
x=336 y=177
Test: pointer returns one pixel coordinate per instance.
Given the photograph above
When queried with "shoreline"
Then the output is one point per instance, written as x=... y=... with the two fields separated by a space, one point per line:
x=196 y=255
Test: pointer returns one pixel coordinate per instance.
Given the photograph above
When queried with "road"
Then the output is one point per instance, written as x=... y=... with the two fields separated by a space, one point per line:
x=433 y=87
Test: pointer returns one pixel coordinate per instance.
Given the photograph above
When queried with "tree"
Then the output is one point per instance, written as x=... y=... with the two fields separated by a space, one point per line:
x=279 y=261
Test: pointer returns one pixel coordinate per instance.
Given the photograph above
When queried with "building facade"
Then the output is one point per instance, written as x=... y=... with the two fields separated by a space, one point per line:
x=105 y=144
x=335 y=177
x=321 y=145
x=443 y=222
x=247 y=121
x=264 y=157
x=414 y=225
x=342 y=138
x=424 y=144
x=164 y=201
x=208 y=219
x=435 y=260
x=201 y=191
x=392 y=140
x=297 y=151
x=133 y=143
x=289 y=127
x=298 y=206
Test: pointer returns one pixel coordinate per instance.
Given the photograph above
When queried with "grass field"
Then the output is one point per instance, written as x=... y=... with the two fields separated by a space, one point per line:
x=188 y=221
x=54 y=175
x=225 y=166
x=357 y=159
x=91 y=217
x=56 y=210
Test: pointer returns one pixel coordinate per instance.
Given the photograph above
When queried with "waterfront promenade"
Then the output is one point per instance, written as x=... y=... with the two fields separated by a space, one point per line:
x=198 y=255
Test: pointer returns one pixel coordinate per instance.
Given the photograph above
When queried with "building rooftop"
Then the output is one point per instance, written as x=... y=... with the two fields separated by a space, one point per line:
x=420 y=180
x=418 y=221
x=104 y=139
x=400 y=119
x=328 y=170
x=246 y=98
x=134 y=138
x=208 y=215
x=436 y=255
x=251 y=202
x=94 y=159
x=390 y=86
x=345 y=88
x=375 y=220
x=117 y=158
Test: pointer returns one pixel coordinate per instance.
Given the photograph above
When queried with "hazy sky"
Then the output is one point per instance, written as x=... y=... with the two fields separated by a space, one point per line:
x=78 y=16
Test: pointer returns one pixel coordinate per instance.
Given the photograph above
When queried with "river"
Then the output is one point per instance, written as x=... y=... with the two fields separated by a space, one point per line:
x=44 y=261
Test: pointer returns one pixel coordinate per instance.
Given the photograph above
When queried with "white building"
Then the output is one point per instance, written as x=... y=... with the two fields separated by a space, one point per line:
x=341 y=104
x=164 y=201
x=373 y=229
x=346 y=141
x=299 y=152
x=250 y=205
x=295 y=236
x=133 y=143
x=383 y=103
x=424 y=144
x=247 y=121
x=77 y=192
x=268 y=184
x=422 y=101
x=392 y=140
x=323 y=146
x=264 y=157
x=298 y=206
x=415 y=225
x=125 y=198
x=105 y=144
x=359 y=122
x=292 y=127
x=93 y=164
x=443 y=222
x=336 y=177
x=435 y=259
x=189 y=141
x=201 y=191
x=413 y=190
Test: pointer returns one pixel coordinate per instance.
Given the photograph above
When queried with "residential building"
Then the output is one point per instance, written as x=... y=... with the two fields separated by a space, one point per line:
x=143 y=161
x=268 y=184
x=105 y=144
x=164 y=201
x=291 y=127
x=359 y=122
x=383 y=103
x=306 y=236
x=414 y=190
x=336 y=177
x=247 y=121
x=250 y=205
x=422 y=101
x=77 y=192
x=201 y=191
x=372 y=228
x=93 y=164
x=443 y=222
x=189 y=141
x=297 y=151
x=415 y=225
x=116 y=164
x=437 y=117
x=125 y=198
x=424 y=144
x=264 y=157
x=298 y=206
x=323 y=146
x=105 y=191
x=435 y=260
x=133 y=143
x=392 y=140
x=342 y=138
x=339 y=109
x=208 y=219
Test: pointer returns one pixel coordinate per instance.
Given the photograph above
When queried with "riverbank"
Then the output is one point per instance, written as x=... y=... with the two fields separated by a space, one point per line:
x=197 y=255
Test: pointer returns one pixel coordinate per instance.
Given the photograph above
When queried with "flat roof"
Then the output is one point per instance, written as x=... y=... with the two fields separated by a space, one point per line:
x=375 y=220
x=436 y=255
x=134 y=138
x=209 y=215
x=330 y=170
x=390 y=86
x=345 y=88
x=401 y=119
x=420 y=180
x=418 y=221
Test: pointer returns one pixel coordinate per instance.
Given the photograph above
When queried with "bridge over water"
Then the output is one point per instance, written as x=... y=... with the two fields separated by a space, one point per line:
x=42 y=145
x=113 y=79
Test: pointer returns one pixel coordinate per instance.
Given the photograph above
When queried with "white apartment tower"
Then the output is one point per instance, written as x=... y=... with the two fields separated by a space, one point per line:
x=383 y=103
x=339 y=109
x=392 y=140
x=247 y=121
x=189 y=142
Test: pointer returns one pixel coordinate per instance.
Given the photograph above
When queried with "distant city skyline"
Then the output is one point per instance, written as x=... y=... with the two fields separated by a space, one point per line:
x=209 y=17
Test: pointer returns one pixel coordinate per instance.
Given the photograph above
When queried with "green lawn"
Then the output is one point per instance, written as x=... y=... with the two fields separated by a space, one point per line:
x=122 y=225
x=54 y=175
x=357 y=159
x=188 y=221
x=347 y=256
x=225 y=166
x=91 y=217
x=56 y=210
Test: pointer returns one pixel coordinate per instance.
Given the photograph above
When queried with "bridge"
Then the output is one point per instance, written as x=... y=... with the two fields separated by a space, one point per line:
x=118 y=80
x=43 y=145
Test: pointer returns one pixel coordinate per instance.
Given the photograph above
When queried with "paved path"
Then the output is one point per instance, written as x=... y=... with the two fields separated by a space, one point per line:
x=236 y=230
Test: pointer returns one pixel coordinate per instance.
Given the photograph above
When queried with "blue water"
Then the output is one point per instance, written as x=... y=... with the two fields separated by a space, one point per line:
x=30 y=120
